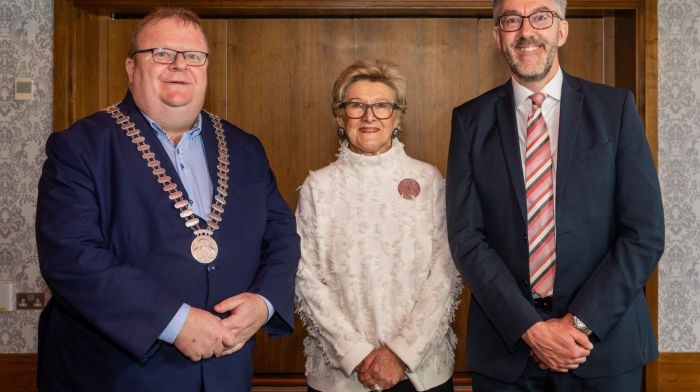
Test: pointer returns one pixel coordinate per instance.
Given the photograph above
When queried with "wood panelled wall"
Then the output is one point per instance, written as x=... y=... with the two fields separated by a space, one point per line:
x=273 y=77
x=272 y=67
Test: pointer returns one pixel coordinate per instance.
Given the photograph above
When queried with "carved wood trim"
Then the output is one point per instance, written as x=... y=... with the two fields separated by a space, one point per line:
x=357 y=8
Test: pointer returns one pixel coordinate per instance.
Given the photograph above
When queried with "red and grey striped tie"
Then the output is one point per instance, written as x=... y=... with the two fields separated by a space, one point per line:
x=540 y=201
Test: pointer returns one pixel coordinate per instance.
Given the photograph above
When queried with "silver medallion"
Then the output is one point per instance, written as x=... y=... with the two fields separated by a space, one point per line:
x=204 y=249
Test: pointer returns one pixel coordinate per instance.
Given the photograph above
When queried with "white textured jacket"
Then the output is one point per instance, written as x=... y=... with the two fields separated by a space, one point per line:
x=375 y=270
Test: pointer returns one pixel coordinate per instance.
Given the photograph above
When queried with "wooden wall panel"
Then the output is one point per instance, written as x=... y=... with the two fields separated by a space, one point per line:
x=679 y=372
x=609 y=49
x=119 y=33
x=217 y=75
x=627 y=66
x=492 y=69
x=79 y=57
x=281 y=72
x=437 y=56
x=102 y=70
x=62 y=58
x=86 y=63
x=18 y=372
x=583 y=55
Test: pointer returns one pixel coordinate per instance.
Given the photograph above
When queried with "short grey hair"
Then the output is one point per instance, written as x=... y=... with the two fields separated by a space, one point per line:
x=381 y=71
x=181 y=14
x=559 y=4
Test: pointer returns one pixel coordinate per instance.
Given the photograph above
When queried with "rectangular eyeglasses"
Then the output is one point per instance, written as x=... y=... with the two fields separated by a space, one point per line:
x=539 y=20
x=168 y=56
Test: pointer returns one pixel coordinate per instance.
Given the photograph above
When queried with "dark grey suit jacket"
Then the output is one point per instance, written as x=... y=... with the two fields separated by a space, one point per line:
x=609 y=227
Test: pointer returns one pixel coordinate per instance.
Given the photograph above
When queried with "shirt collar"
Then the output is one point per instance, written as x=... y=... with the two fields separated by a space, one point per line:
x=193 y=132
x=551 y=89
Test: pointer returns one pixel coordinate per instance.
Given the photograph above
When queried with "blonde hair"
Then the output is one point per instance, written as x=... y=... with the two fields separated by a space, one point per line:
x=381 y=71
x=182 y=14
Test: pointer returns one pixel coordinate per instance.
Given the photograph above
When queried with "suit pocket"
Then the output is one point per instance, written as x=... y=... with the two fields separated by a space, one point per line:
x=595 y=152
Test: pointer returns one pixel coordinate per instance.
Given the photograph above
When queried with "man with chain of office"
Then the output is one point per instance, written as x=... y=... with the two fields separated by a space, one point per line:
x=161 y=234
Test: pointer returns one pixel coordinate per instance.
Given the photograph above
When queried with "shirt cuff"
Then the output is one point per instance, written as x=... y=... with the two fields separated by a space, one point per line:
x=270 y=308
x=173 y=328
x=402 y=348
x=353 y=358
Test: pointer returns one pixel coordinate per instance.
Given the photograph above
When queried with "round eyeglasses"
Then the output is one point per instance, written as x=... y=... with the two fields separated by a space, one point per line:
x=168 y=56
x=381 y=110
x=539 y=20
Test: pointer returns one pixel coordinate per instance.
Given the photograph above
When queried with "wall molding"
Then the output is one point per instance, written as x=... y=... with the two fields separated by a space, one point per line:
x=679 y=372
x=18 y=374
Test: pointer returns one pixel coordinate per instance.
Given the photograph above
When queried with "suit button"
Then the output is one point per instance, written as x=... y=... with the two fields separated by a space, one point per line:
x=525 y=237
x=211 y=267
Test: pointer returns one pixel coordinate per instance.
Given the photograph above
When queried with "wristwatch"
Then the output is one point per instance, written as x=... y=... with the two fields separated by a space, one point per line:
x=581 y=326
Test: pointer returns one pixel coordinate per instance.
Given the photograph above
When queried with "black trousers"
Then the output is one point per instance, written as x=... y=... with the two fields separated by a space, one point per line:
x=535 y=379
x=406 y=386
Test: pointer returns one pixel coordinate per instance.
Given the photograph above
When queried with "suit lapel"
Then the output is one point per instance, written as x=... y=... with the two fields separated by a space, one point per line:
x=569 y=123
x=129 y=108
x=211 y=149
x=508 y=130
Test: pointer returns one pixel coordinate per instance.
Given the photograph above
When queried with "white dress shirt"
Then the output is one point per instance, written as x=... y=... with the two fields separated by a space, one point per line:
x=551 y=108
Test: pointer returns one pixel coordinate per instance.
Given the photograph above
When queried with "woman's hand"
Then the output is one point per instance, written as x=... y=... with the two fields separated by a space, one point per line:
x=381 y=369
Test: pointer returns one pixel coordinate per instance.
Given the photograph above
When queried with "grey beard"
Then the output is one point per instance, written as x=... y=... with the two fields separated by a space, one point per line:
x=536 y=77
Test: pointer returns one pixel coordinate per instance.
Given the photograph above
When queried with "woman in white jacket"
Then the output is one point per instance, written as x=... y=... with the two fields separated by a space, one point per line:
x=376 y=286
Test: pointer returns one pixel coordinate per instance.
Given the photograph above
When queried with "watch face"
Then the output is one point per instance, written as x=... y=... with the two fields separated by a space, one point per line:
x=578 y=324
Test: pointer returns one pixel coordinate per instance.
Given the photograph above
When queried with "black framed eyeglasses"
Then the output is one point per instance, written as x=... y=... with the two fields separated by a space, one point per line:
x=539 y=20
x=168 y=56
x=381 y=110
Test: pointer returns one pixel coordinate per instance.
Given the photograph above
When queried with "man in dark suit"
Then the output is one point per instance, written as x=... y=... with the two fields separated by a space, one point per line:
x=161 y=234
x=555 y=219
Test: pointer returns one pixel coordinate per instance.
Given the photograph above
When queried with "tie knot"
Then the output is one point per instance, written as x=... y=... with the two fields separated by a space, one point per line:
x=537 y=99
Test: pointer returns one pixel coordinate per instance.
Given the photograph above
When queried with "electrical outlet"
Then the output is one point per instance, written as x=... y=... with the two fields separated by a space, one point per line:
x=30 y=301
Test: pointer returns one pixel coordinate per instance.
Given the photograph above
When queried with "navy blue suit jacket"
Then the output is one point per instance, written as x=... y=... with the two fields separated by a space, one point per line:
x=116 y=256
x=609 y=228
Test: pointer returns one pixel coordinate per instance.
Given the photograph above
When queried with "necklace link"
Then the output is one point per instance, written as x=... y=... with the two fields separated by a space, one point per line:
x=203 y=248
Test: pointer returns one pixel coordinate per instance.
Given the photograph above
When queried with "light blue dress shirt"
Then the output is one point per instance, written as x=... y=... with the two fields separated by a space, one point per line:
x=190 y=162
